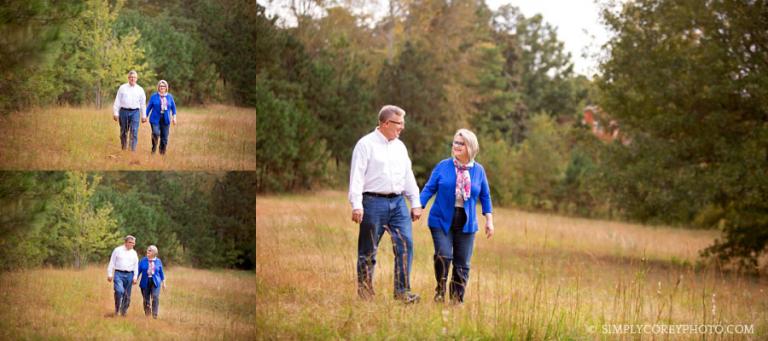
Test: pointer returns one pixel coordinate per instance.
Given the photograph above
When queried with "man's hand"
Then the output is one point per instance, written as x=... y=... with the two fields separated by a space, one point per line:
x=357 y=215
x=143 y=120
x=109 y=279
x=114 y=118
x=415 y=213
x=134 y=281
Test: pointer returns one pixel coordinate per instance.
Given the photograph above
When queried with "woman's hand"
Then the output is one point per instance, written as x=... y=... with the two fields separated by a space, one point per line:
x=489 y=230
x=489 y=225
x=164 y=285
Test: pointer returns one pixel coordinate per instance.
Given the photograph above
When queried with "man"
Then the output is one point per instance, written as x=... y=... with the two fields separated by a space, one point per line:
x=130 y=103
x=380 y=174
x=124 y=263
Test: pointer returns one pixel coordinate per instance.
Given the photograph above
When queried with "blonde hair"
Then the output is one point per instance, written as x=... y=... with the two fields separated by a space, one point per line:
x=162 y=81
x=153 y=249
x=470 y=141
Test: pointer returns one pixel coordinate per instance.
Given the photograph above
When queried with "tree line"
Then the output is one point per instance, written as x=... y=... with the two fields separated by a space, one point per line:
x=75 y=218
x=683 y=82
x=79 y=52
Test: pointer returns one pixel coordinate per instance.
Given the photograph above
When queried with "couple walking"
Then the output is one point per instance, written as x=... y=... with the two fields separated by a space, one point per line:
x=160 y=112
x=380 y=177
x=125 y=270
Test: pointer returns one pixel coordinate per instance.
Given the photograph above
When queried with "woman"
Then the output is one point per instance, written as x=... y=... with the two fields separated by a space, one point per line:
x=152 y=277
x=160 y=108
x=457 y=182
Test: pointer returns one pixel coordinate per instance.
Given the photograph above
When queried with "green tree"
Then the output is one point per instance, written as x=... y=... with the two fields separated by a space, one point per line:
x=174 y=51
x=29 y=29
x=687 y=80
x=79 y=231
x=234 y=204
x=97 y=60
x=540 y=163
x=413 y=84
x=24 y=208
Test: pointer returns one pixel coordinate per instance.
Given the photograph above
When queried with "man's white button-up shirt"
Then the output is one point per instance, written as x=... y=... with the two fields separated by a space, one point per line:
x=381 y=166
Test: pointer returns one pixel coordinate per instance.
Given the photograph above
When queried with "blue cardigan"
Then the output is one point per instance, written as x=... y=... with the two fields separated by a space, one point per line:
x=158 y=277
x=443 y=183
x=154 y=106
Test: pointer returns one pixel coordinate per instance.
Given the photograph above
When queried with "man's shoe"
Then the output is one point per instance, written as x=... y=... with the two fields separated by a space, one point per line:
x=408 y=298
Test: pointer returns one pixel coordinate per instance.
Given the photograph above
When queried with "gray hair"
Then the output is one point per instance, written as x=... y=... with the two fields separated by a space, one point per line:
x=133 y=72
x=388 y=111
x=162 y=81
x=153 y=249
x=470 y=140
x=129 y=237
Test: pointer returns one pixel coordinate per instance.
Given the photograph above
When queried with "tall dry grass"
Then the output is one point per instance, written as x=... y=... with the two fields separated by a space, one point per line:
x=539 y=277
x=50 y=304
x=207 y=138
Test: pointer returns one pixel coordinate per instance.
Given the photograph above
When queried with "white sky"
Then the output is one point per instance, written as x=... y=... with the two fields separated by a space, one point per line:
x=576 y=21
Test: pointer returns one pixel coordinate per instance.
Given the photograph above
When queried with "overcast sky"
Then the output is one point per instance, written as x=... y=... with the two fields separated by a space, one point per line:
x=577 y=23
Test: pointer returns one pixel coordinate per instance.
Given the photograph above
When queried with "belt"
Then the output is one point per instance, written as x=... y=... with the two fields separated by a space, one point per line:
x=124 y=271
x=128 y=109
x=380 y=195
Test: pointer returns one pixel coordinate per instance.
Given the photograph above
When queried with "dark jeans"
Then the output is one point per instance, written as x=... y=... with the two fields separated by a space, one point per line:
x=154 y=293
x=129 y=122
x=123 y=281
x=379 y=215
x=453 y=247
x=160 y=131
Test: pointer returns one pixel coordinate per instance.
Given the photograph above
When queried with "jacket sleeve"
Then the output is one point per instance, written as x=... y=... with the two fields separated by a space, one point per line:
x=150 y=105
x=431 y=187
x=173 y=105
x=485 y=193
x=141 y=267
x=161 y=273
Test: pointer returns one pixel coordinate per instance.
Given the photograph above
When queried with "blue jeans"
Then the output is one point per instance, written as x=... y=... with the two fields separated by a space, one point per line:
x=129 y=122
x=154 y=293
x=160 y=131
x=453 y=247
x=123 y=282
x=379 y=215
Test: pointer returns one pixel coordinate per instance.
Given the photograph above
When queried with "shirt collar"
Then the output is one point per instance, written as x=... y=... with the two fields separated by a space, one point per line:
x=381 y=136
x=469 y=165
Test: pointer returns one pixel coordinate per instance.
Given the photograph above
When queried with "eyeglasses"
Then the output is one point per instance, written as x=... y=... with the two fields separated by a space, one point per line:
x=458 y=143
x=395 y=122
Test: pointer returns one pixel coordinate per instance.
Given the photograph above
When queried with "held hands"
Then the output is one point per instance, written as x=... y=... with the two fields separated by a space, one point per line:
x=114 y=118
x=415 y=214
x=357 y=215
x=134 y=281
x=143 y=120
x=109 y=279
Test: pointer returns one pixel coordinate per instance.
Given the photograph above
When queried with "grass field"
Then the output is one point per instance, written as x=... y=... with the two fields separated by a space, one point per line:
x=51 y=304
x=539 y=277
x=206 y=138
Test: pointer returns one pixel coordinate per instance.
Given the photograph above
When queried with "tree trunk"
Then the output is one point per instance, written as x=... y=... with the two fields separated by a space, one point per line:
x=98 y=95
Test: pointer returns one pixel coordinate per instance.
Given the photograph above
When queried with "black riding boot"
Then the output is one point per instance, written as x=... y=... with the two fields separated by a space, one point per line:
x=442 y=266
